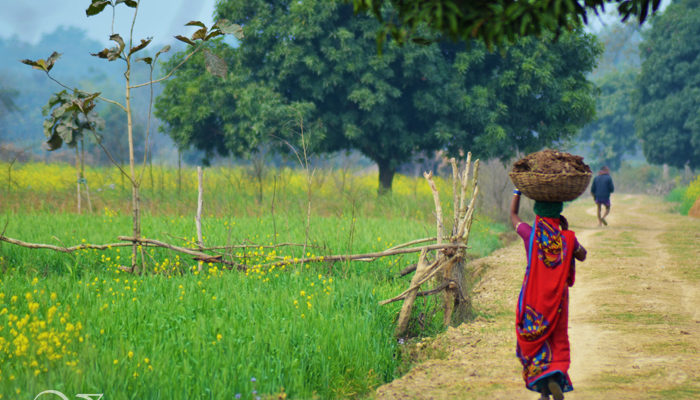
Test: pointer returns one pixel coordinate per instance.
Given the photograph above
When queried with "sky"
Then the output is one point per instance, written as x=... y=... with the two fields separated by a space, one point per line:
x=597 y=22
x=161 y=19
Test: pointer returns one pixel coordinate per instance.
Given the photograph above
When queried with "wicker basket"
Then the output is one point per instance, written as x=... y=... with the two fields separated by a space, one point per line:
x=551 y=187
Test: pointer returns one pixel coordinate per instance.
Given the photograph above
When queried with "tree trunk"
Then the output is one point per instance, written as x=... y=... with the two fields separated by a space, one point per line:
x=135 y=198
x=460 y=308
x=386 y=176
x=77 y=176
x=259 y=172
x=82 y=175
x=179 y=171
x=198 y=216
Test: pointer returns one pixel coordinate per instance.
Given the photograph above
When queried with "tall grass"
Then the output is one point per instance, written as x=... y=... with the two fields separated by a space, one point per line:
x=79 y=324
x=685 y=196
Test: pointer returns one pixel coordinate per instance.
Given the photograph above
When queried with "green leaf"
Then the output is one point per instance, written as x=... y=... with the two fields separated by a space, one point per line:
x=93 y=96
x=83 y=102
x=422 y=41
x=109 y=54
x=144 y=43
x=73 y=107
x=102 y=54
x=129 y=3
x=200 y=34
x=48 y=125
x=65 y=132
x=213 y=34
x=96 y=7
x=196 y=23
x=229 y=28
x=185 y=39
x=57 y=98
x=117 y=38
x=215 y=64
x=52 y=59
x=79 y=104
x=165 y=49
x=113 y=53
x=34 y=64
x=54 y=143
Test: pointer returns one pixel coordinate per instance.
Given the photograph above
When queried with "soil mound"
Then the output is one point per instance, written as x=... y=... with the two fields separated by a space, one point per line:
x=551 y=162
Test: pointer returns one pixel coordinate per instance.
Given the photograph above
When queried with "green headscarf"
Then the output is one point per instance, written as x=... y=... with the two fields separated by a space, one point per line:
x=549 y=209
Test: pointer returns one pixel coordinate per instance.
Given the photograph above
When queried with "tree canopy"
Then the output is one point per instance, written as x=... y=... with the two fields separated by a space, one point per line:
x=492 y=21
x=231 y=116
x=668 y=91
x=413 y=98
x=533 y=94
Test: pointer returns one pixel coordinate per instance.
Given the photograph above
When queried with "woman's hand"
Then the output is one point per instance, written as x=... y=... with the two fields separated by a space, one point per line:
x=514 y=207
x=580 y=253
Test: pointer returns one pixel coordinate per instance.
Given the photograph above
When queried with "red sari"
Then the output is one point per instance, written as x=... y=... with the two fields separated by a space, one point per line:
x=543 y=305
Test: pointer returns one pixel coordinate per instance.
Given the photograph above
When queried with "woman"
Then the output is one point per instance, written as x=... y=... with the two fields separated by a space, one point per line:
x=543 y=305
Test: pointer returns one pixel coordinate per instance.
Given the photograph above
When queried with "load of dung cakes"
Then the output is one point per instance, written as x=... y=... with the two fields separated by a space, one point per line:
x=551 y=175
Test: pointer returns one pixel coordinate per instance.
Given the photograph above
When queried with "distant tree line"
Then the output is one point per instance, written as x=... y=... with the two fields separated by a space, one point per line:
x=651 y=100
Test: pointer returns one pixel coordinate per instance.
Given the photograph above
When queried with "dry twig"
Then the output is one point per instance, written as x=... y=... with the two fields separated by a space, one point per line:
x=61 y=248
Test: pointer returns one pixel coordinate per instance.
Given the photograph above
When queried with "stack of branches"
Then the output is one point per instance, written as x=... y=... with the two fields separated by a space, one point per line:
x=447 y=267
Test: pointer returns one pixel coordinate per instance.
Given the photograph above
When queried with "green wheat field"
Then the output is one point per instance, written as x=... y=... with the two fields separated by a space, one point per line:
x=78 y=323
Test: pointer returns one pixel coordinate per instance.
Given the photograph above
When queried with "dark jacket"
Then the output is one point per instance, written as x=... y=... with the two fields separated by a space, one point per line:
x=602 y=187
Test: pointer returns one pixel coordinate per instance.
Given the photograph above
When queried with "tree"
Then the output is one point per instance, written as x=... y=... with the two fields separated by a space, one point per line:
x=414 y=97
x=69 y=117
x=531 y=94
x=612 y=136
x=668 y=97
x=223 y=116
x=492 y=21
x=315 y=53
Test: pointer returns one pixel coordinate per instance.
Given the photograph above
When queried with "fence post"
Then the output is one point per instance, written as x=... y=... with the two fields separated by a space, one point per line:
x=198 y=217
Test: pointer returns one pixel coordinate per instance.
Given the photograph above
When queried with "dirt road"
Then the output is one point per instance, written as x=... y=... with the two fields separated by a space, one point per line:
x=634 y=323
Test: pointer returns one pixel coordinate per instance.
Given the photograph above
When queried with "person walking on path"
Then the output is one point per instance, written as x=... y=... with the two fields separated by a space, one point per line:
x=543 y=305
x=601 y=189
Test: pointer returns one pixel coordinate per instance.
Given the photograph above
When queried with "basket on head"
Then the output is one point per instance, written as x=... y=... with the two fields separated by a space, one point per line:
x=550 y=175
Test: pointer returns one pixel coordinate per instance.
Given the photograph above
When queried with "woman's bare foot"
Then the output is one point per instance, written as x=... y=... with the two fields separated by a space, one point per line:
x=555 y=389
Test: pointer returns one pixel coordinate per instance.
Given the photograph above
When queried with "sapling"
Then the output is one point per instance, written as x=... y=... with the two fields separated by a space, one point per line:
x=126 y=51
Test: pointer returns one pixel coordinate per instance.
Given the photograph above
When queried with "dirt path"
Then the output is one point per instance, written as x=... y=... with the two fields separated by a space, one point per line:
x=634 y=324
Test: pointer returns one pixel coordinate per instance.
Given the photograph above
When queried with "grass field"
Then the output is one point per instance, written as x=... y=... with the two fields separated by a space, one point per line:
x=78 y=323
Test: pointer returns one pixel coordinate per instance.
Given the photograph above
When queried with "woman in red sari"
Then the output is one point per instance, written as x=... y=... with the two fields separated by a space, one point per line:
x=543 y=305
